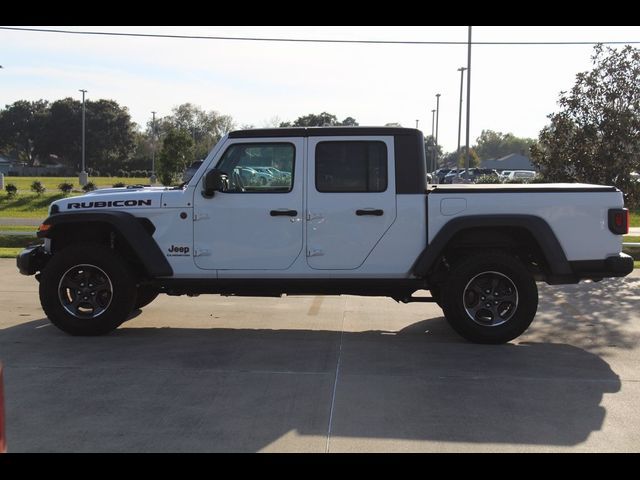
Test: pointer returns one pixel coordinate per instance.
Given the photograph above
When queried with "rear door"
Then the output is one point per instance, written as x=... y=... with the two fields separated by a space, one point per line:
x=351 y=200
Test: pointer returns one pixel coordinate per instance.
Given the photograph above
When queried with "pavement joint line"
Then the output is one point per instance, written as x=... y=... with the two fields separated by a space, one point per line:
x=75 y=367
x=388 y=375
x=335 y=381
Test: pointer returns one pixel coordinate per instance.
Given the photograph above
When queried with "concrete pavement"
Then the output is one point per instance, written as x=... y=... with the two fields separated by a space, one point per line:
x=323 y=374
x=29 y=222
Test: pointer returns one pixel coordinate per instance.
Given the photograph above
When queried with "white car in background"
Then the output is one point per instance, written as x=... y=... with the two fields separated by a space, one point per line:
x=518 y=175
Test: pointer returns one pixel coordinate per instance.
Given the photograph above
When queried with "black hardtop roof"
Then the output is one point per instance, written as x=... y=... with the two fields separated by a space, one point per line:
x=322 y=132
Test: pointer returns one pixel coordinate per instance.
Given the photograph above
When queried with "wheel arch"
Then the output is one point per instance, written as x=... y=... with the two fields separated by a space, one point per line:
x=526 y=233
x=134 y=236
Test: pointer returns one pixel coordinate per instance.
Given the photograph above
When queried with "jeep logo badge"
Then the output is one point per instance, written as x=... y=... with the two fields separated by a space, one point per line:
x=178 y=251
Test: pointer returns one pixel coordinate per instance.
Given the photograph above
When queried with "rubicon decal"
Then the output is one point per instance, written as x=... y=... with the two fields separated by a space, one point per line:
x=178 y=251
x=110 y=203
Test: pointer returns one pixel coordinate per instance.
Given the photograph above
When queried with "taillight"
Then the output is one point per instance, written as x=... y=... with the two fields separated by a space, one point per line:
x=619 y=220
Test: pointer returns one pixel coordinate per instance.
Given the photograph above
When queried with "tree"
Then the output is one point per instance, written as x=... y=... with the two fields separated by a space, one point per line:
x=323 y=119
x=21 y=127
x=491 y=144
x=453 y=159
x=109 y=134
x=175 y=156
x=431 y=152
x=595 y=137
x=205 y=127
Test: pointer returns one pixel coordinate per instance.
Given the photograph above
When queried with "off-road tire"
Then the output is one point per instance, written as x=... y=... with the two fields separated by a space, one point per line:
x=501 y=322
x=68 y=267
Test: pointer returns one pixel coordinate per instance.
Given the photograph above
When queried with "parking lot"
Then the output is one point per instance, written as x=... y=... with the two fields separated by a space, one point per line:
x=320 y=374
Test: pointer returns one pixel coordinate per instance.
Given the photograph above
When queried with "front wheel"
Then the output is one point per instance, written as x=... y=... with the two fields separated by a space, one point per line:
x=145 y=296
x=87 y=289
x=491 y=298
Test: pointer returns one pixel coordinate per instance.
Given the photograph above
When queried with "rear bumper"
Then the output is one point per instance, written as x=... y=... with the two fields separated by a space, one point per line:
x=619 y=265
x=32 y=259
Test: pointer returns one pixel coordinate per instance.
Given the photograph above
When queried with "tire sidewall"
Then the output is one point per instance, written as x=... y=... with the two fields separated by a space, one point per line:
x=122 y=281
x=145 y=295
x=453 y=302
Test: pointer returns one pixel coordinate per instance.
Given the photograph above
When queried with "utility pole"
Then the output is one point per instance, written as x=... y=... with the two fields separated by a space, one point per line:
x=153 y=149
x=468 y=155
x=433 y=123
x=461 y=70
x=435 y=153
x=84 y=178
x=417 y=124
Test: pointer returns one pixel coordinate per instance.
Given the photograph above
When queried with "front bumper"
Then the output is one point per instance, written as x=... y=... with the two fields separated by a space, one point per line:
x=32 y=259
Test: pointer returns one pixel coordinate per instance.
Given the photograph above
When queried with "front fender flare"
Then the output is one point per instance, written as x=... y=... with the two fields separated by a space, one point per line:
x=127 y=225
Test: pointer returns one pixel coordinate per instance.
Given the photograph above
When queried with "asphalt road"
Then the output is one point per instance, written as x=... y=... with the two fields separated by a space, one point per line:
x=320 y=374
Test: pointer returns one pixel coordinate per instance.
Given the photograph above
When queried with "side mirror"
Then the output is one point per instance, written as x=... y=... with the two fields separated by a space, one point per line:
x=215 y=181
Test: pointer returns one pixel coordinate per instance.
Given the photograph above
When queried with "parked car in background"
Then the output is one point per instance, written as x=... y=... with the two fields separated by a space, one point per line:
x=448 y=177
x=273 y=173
x=519 y=175
x=472 y=175
x=438 y=175
x=504 y=174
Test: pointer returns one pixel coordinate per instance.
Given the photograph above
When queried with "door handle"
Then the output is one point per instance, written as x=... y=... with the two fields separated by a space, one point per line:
x=370 y=211
x=284 y=213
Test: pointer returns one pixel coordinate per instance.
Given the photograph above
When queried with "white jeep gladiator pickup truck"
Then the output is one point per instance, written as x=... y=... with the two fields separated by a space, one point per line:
x=337 y=211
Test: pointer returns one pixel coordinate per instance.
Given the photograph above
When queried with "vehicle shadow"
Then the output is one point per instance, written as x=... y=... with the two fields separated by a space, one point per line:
x=224 y=389
x=591 y=315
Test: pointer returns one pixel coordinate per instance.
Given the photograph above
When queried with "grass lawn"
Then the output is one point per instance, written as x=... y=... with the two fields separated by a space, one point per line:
x=634 y=218
x=18 y=240
x=27 y=205
x=51 y=183
x=17 y=228
x=9 y=252
x=631 y=239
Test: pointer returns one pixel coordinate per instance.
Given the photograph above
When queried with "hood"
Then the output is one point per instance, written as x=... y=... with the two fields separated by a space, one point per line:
x=111 y=199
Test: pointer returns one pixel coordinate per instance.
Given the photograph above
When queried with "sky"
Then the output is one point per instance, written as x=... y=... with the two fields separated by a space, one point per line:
x=513 y=87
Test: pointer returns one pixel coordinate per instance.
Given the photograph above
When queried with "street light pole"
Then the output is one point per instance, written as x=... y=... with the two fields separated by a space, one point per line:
x=468 y=157
x=153 y=149
x=417 y=124
x=433 y=123
x=461 y=70
x=84 y=178
x=437 y=122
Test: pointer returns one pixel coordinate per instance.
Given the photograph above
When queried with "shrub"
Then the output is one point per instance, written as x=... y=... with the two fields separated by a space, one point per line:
x=11 y=189
x=37 y=187
x=539 y=179
x=65 y=187
x=89 y=187
x=487 y=179
x=517 y=180
x=119 y=184
x=166 y=178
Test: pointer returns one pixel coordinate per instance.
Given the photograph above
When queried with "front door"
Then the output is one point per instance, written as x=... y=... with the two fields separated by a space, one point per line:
x=257 y=223
x=351 y=199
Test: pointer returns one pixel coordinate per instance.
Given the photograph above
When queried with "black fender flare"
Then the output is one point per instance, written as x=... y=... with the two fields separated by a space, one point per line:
x=127 y=225
x=536 y=226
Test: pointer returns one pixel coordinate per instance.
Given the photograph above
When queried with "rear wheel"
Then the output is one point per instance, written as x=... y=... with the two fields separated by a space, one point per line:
x=490 y=298
x=87 y=289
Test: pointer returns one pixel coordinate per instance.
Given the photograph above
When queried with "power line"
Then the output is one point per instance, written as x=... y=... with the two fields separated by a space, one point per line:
x=301 y=40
